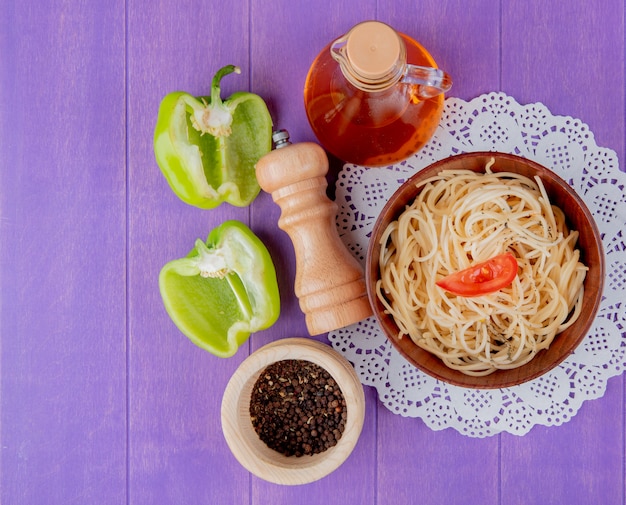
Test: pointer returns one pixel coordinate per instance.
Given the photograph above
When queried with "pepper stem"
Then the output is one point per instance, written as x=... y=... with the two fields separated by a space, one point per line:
x=217 y=78
x=216 y=117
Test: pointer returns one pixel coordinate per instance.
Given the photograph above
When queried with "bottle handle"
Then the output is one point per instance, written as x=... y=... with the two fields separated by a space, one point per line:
x=429 y=82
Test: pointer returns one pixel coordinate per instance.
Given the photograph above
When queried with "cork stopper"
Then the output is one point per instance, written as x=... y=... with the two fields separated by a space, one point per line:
x=373 y=49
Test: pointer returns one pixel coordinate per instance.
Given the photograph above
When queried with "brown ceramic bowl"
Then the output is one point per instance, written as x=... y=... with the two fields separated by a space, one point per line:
x=578 y=218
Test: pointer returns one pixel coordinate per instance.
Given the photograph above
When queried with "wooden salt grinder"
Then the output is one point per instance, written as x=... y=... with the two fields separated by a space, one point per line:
x=329 y=280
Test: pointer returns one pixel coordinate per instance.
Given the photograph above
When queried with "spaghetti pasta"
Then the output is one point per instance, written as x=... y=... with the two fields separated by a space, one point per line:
x=460 y=218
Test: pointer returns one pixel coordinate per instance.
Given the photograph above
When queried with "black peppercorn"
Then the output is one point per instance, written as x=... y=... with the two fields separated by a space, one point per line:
x=297 y=409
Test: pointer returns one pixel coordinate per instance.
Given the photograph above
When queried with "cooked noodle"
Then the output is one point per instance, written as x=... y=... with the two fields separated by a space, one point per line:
x=461 y=218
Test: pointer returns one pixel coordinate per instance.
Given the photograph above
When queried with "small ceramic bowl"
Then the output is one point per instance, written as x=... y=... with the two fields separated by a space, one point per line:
x=589 y=242
x=242 y=438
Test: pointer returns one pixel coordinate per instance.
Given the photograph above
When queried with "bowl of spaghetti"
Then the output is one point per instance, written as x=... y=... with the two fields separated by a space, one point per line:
x=485 y=270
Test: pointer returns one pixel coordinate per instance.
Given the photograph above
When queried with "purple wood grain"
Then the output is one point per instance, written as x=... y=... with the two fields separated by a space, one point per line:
x=102 y=399
x=413 y=461
x=462 y=38
x=177 y=453
x=285 y=41
x=62 y=253
x=578 y=462
x=569 y=56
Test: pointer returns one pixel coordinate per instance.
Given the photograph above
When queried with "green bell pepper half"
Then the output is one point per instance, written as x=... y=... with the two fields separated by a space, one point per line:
x=223 y=290
x=208 y=148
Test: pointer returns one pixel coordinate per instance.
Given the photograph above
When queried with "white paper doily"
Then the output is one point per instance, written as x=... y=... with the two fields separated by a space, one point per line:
x=496 y=122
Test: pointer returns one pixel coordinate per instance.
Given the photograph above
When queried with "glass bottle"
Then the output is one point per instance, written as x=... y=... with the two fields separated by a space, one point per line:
x=366 y=104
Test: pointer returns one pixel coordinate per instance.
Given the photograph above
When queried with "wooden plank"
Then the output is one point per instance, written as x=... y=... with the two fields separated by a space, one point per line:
x=414 y=462
x=62 y=254
x=284 y=43
x=102 y=398
x=569 y=56
x=462 y=38
x=578 y=462
x=177 y=453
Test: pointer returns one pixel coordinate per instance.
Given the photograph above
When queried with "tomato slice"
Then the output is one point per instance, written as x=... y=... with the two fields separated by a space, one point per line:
x=483 y=278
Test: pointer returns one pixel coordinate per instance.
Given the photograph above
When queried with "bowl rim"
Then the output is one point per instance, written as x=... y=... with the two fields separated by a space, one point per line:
x=251 y=451
x=430 y=364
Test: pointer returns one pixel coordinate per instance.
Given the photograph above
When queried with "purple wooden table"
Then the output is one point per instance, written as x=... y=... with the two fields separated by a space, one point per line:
x=103 y=400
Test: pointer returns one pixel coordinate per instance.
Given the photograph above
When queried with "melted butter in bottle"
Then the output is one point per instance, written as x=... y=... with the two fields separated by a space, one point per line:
x=372 y=126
